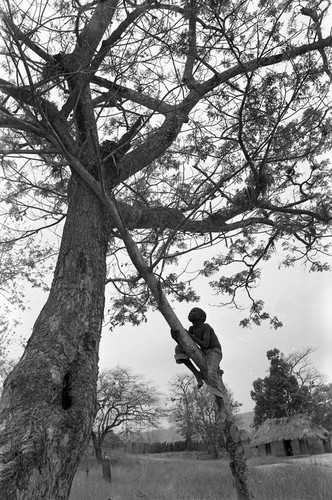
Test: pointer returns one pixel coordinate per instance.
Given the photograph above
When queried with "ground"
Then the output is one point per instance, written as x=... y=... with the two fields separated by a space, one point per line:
x=191 y=476
x=324 y=460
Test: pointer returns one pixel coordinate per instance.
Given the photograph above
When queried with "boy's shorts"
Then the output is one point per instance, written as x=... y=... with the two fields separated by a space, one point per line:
x=214 y=356
x=180 y=355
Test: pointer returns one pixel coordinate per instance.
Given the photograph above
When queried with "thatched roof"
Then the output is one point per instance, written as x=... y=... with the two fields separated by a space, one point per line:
x=279 y=429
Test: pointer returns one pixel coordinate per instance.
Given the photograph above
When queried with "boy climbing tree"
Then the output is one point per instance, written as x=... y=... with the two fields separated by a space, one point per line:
x=204 y=336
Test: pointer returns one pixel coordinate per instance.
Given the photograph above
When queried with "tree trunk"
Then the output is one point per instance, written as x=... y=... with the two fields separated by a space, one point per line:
x=188 y=440
x=234 y=445
x=106 y=466
x=98 y=447
x=48 y=403
x=213 y=450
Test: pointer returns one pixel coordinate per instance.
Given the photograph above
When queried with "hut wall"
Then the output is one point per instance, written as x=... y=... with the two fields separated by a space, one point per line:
x=249 y=452
x=278 y=449
x=261 y=450
x=315 y=446
x=295 y=443
x=303 y=446
x=327 y=446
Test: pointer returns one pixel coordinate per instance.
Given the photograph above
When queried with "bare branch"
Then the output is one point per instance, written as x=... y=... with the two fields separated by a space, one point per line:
x=25 y=38
x=92 y=33
x=190 y=12
x=119 y=91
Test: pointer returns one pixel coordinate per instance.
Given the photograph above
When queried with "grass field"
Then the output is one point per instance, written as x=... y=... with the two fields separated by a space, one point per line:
x=175 y=477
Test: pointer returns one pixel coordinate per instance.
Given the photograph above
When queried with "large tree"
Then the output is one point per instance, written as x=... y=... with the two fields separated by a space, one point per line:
x=155 y=128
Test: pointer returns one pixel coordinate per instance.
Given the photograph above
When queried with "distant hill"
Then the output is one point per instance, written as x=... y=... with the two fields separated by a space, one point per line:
x=246 y=421
x=158 y=436
x=169 y=435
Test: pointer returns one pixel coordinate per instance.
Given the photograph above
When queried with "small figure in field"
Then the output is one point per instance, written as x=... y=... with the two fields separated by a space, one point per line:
x=205 y=337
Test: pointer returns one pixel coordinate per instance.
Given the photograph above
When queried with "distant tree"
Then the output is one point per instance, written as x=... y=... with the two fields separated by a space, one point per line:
x=126 y=402
x=181 y=414
x=320 y=405
x=293 y=386
x=195 y=414
x=302 y=367
x=279 y=394
x=319 y=392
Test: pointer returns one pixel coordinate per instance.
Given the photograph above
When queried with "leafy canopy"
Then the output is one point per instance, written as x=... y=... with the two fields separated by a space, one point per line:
x=210 y=124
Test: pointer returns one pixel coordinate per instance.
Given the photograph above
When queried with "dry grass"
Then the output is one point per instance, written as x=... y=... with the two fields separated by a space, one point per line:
x=180 y=478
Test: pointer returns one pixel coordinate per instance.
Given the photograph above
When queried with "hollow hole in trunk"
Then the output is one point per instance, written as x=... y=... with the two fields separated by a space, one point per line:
x=66 y=400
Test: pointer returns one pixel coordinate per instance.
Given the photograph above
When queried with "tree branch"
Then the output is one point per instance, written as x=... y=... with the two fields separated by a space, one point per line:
x=261 y=62
x=192 y=49
x=26 y=96
x=8 y=121
x=25 y=38
x=316 y=19
x=116 y=36
x=92 y=33
x=117 y=90
x=161 y=139
x=154 y=146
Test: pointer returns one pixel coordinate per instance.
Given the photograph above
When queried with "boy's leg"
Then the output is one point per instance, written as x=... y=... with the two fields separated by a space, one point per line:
x=182 y=357
x=213 y=358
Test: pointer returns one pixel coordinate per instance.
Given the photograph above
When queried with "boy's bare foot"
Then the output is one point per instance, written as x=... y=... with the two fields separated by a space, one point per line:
x=215 y=391
x=199 y=379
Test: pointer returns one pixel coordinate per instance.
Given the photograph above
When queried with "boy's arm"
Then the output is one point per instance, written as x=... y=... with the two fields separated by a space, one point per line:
x=205 y=340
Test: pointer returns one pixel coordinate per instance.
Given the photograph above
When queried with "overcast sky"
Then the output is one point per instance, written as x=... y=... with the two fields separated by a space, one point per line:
x=302 y=300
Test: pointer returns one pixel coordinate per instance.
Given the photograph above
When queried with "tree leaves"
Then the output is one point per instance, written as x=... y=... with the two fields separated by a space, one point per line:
x=293 y=387
x=279 y=394
x=237 y=151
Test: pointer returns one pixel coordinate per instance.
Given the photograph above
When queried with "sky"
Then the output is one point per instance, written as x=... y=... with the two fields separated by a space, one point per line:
x=301 y=300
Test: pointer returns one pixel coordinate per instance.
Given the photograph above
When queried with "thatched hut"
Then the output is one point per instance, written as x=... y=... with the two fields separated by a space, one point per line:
x=289 y=436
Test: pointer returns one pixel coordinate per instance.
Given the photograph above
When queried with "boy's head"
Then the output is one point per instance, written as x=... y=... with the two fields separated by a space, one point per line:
x=197 y=314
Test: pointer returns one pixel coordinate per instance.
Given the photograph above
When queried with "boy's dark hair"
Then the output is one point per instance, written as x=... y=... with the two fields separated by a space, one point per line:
x=199 y=312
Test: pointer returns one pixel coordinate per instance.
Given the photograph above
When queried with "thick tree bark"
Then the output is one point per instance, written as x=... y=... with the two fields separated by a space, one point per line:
x=48 y=402
x=234 y=445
